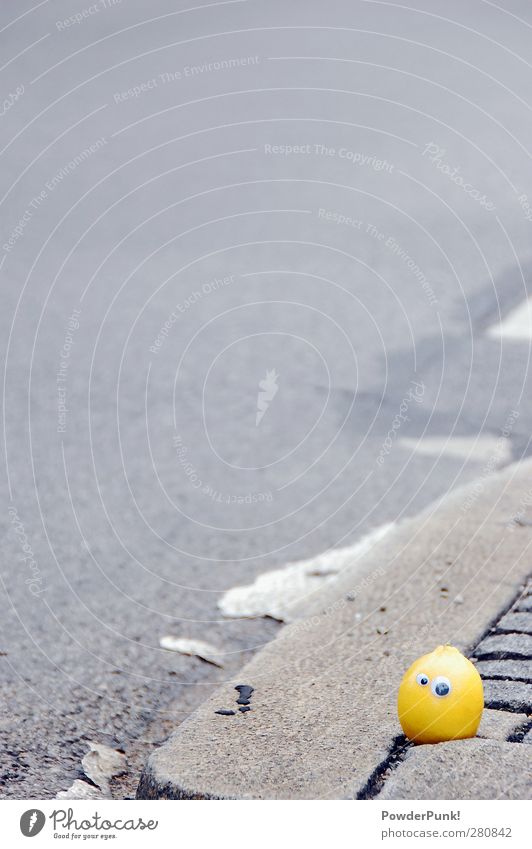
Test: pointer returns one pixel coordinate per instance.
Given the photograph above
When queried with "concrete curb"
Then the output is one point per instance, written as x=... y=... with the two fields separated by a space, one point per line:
x=323 y=721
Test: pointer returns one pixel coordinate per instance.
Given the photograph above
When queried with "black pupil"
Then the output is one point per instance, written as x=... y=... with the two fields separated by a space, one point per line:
x=442 y=689
x=424 y=680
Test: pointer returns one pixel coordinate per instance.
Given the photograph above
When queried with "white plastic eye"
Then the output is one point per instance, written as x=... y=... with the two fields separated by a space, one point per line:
x=441 y=686
x=422 y=679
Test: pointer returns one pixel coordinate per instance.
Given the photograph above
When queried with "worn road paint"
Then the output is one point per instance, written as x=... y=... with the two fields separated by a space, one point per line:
x=517 y=324
x=275 y=593
x=479 y=449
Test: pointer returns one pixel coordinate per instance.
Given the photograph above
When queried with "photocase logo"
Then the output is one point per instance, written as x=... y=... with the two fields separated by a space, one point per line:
x=269 y=389
x=32 y=822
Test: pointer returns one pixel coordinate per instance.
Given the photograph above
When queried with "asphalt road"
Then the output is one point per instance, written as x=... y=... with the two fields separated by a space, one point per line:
x=328 y=199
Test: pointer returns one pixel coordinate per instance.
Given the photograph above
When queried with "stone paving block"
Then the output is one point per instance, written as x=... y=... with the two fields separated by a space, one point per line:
x=462 y=769
x=525 y=604
x=505 y=645
x=500 y=724
x=513 y=670
x=520 y=623
x=508 y=695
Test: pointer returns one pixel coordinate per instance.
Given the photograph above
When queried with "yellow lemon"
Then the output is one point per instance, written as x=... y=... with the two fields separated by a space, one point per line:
x=440 y=698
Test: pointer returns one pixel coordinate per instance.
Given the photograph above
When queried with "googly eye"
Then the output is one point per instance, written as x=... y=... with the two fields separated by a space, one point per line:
x=422 y=679
x=441 y=686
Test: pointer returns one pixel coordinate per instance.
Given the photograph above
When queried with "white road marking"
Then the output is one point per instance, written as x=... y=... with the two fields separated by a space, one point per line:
x=516 y=325
x=274 y=593
x=495 y=450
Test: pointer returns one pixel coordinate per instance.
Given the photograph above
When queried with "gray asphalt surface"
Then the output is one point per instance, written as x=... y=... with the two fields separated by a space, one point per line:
x=192 y=198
